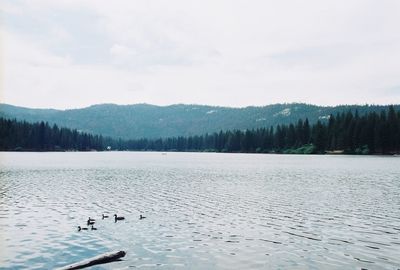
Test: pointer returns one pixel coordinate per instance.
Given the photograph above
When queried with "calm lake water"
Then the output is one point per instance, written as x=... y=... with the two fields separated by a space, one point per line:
x=204 y=210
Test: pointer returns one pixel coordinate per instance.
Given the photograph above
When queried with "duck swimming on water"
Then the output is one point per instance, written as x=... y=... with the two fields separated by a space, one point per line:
x=118 y=218
x=104 y=216
x=93 y=228
x=80 y=228
x=141 y=217
x=90 y=221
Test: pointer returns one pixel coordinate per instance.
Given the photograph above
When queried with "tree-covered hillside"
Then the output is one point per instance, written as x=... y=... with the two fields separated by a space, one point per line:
x=150 y=121
x=372 y=133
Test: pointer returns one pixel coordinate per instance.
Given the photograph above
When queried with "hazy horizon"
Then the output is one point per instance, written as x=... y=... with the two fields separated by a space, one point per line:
x=194 y=104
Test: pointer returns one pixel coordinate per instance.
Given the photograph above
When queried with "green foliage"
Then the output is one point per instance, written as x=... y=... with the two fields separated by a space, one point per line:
x=152 y=122
x=343 y=133
x=373 y=133
x=364 y=150
x=23 y=136
x=305 y=149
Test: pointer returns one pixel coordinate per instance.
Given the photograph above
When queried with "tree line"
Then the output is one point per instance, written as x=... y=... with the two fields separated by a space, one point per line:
x=21 y=135
x=346 y=132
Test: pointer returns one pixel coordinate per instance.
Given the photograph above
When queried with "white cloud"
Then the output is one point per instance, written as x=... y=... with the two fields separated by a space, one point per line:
x=236 y=53
x=121 y=50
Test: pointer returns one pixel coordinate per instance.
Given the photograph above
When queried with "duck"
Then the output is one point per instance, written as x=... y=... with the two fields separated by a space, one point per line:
x=80 y=228
x=93 y=228
x=118 y=218
x=104 y=216
x=90 y=222
x=141 y=217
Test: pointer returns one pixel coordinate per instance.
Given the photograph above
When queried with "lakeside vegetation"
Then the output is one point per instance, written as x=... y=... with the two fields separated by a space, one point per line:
x=23 y=136
x=349 y=133
x=137 y=121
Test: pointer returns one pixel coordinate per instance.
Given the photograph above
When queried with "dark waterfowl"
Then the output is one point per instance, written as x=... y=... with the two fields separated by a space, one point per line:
x=118 y=218
x=93 y=228
x=141 y=217
x=90 y=222
x=104 y=216
x=80 y=228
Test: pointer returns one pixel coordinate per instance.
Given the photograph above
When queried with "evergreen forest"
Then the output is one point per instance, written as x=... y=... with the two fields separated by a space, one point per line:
x=345 y=132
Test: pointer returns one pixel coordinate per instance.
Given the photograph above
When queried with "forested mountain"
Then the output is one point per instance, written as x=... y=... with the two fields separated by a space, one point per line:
x=150 y=121
x=372 y=133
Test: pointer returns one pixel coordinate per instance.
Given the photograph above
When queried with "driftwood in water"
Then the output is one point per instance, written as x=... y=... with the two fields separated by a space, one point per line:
x=100 y=259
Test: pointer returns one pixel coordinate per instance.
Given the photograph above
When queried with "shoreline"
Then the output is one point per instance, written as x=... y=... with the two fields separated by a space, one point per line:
x=328 y=153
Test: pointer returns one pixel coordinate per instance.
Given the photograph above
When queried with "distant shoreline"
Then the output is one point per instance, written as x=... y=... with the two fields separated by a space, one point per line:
x=215 y=152
x=344 y=133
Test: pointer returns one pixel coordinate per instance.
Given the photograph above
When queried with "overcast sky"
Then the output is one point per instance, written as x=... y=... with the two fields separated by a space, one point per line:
x=75 y=53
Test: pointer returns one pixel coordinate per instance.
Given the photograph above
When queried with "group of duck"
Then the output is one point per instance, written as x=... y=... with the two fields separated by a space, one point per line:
x=91 y=222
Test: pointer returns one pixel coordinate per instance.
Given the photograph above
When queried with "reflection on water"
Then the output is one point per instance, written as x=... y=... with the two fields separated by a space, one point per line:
x=204 y=211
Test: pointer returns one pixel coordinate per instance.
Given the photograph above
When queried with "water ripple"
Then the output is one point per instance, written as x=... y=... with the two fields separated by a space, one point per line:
x=203 y=211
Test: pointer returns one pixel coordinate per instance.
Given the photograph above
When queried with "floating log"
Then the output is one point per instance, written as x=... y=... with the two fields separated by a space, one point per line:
x=100 y=259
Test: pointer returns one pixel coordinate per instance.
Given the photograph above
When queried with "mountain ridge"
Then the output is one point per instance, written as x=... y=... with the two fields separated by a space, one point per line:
x=145 y=120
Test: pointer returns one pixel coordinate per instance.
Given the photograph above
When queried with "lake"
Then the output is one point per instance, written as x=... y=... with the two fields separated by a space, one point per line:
x=203 y=210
